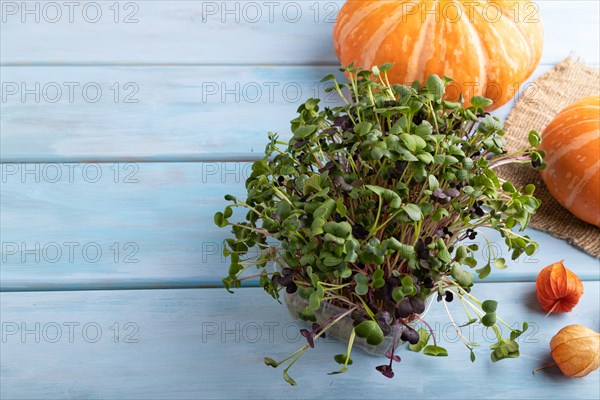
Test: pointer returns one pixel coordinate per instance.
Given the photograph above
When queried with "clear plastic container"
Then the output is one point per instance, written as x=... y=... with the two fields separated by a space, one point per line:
x=343 y=328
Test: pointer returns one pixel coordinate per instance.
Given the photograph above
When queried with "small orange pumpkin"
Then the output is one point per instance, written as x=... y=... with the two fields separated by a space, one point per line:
x=572 y=146
x=489 y=47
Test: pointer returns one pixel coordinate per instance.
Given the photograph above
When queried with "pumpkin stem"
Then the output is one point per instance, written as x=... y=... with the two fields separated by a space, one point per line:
x=552 y=309
x=542 y=367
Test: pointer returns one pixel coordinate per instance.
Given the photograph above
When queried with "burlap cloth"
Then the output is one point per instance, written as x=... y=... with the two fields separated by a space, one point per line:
x=569 y=81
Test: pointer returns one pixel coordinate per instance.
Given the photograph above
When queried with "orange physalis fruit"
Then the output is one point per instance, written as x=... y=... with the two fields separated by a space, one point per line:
x=576 y=350
x=558 y=289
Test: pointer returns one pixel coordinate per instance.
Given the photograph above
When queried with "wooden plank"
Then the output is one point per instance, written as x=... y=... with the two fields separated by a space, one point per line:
x=232 y=32
x=149 y=113
x=207 y=344
x=160 y=113
x=113 y=225
x=150 y=225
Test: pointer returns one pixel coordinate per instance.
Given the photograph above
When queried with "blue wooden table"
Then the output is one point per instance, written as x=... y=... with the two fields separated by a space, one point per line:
x=123 y=124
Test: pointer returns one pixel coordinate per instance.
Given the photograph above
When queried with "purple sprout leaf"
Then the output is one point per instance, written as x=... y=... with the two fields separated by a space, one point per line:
x=392 y=357
x=309 y=337
x=410 y=335
x=291 y=288
x=452 y=192
x=385 y=370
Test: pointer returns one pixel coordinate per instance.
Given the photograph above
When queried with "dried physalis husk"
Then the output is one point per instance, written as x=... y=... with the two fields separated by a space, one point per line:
x=558 y=289
x=576 y=350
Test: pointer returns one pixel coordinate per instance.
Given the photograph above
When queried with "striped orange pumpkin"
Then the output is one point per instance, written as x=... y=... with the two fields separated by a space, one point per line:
x=488 y=47
x=572 y=146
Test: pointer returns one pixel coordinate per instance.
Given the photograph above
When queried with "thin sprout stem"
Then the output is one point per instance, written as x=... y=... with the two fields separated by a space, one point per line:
x=334 y=286
x=510 y=232
x=306 y=346
x=339 y=92
x=374 y=228
x=283 y=196
x=504 y=323
x=475 y=309
x=387 y=221
x=335 y=321
x=479 y=304
x=367 y=309
x=242 y=204
x=418 y=226
x=489 y=244
x=250 y=228
x=293 y=354
x=434 y=116
x=349 y=348
x=302 y=351
x=497 y=332
x=464 y=339
x=245 y=278
x=464 y=307
x=340 y=298
x=428 y=327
